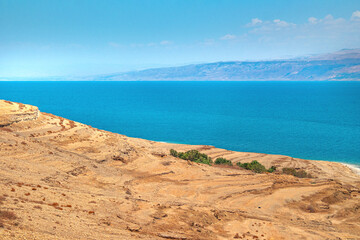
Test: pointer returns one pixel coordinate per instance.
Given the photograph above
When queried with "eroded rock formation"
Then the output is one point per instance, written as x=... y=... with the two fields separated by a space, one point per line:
x=11 y=112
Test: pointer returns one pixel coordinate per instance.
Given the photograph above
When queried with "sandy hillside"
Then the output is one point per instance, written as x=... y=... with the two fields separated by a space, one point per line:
x=61 y=179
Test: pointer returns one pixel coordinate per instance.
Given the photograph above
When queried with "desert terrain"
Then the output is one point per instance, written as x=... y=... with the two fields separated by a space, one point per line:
x=61 y=179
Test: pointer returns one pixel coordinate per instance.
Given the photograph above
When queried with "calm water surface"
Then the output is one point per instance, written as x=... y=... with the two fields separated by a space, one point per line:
x=311 y=120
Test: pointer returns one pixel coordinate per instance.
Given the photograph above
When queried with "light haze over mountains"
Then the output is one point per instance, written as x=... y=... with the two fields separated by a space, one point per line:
x=340 y=65
x=343 y=65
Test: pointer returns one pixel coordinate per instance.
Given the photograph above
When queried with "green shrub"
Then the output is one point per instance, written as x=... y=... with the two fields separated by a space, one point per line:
x=223 y=161
x=173 y=153
x=254 y=166
x=196 y=156
x=271 y=169
x=192 y=155
x=257 y=167
x=289 y=171
x=294 y=172
x=244 y=165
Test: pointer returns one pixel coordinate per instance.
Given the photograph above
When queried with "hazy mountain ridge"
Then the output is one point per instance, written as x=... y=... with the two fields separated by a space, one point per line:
x=341 y=65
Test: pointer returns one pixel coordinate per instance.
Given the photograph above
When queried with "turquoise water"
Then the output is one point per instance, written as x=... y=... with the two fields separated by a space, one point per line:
x=311 y=120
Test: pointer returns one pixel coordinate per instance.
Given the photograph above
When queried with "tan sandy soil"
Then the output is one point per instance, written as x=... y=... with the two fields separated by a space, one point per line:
x=61 y=179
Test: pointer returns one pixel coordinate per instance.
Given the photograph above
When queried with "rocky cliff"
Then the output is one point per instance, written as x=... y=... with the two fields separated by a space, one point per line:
x=11 y=112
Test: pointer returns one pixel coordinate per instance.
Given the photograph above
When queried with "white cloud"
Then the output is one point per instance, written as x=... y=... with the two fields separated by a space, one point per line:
x=228 y=37
x=355 y=16
x=268 y=26
x=328 y=17
x=312 y=20
x=280 y=23
x=254 y=22
x=320 y=32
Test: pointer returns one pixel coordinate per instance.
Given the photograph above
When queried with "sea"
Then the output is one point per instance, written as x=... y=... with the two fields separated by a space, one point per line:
x=309 y=120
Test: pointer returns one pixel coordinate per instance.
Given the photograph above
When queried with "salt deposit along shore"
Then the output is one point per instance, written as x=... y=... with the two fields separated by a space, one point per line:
x=354 y=168
x=61 y=179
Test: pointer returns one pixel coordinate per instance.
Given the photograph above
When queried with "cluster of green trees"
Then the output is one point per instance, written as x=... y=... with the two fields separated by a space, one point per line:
x=294 y=172
x=223 y=161
x=196 y=156
x=255 y=166
x=192 y=155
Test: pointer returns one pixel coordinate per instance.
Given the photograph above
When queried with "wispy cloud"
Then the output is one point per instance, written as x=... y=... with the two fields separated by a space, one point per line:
x=311 y=26
x=258 y=25
x=165 y=42
x=280 y=23
x=312 y=20
x=355 y=16
x=254 y=22
x=228 y=37
x=315 y=33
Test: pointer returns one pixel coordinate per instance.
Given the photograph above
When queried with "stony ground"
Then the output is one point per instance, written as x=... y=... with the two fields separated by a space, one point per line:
x=61 y=179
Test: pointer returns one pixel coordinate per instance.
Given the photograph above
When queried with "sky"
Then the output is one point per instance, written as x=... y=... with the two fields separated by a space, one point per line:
x=42 y=38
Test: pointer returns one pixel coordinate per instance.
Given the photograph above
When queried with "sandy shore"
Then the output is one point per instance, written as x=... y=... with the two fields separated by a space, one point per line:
x=354 y=168
x=61 y=179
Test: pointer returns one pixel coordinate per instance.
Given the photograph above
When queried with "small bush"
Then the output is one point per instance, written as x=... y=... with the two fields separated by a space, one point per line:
x=192 y=155
x=271 y=169
x=173 y=153
x=294 y=172
x=254 y=166
x=223 y=161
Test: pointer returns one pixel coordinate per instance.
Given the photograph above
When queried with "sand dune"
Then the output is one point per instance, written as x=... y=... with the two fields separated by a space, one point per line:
x=61 y=179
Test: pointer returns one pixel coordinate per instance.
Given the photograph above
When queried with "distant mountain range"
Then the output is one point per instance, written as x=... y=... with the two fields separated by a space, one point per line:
x=341 y=65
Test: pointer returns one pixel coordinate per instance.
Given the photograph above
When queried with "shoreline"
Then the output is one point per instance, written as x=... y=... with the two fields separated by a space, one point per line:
x=354 y=168
x=260 y=156
x=236 y=127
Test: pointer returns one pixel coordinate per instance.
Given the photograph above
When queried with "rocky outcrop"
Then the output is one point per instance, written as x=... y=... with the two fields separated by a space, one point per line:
x=11 y=112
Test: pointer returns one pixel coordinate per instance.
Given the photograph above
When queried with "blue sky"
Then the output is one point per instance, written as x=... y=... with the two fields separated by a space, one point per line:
x=55 y=38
